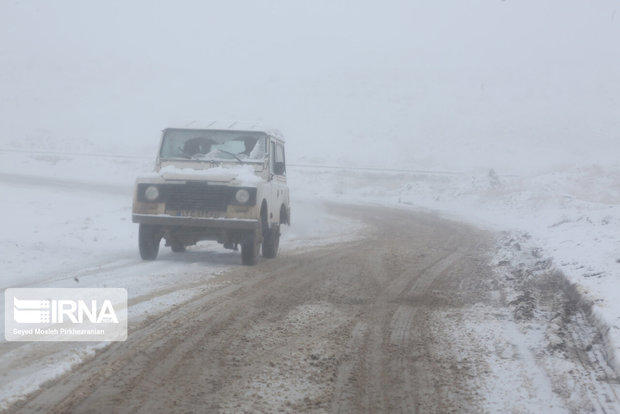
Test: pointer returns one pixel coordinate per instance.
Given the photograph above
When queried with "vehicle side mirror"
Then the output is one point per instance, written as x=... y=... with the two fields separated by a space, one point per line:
x=279 y=168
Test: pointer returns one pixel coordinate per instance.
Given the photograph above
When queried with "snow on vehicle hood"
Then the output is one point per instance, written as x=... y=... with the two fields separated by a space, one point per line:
x=239 y=175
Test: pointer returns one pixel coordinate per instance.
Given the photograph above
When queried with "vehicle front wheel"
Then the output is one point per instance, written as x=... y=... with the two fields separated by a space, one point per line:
x=250 y=249
x=249 y=253
x=271 y=242
x=148 y=240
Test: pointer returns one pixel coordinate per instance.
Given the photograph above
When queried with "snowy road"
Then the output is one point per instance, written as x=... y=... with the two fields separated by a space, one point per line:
x=409 y=318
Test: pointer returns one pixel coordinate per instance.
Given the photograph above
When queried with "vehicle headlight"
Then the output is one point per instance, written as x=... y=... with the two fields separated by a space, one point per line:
x=151 y=193
x=242 y=196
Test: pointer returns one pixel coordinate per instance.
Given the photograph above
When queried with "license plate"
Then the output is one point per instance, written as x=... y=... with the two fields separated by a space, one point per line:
x=189 y=213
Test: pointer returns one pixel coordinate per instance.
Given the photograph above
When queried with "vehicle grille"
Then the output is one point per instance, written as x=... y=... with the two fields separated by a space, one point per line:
x=198 y=197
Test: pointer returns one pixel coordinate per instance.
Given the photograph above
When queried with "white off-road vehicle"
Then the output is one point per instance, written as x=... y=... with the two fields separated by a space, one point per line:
x=227 y=185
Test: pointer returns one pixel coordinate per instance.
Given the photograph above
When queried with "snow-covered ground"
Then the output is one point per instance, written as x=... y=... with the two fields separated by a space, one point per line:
x=68 y=223
x=570 y=217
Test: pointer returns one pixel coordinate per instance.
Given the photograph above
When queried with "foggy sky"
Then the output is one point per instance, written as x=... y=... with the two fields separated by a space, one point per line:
x=509 y=84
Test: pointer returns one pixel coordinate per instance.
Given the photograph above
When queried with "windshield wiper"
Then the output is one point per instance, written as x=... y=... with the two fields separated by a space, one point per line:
x=181 y=152
x=230 y=153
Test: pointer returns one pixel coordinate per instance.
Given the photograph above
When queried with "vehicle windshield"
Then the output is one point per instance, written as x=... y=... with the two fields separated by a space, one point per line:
x=213 y=145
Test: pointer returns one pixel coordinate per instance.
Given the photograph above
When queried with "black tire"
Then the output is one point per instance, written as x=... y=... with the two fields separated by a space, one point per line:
x=249 y=252
x=177 y=247
x=271 y=242
x=148 y=240
x=250 y=249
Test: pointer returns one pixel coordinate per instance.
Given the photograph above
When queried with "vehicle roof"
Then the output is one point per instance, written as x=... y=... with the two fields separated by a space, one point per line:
x=230 y=126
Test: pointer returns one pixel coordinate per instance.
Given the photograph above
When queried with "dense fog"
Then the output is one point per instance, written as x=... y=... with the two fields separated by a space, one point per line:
x=512 y=85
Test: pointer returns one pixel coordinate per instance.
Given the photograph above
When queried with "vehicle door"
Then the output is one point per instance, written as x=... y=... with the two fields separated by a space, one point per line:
x=279 y=189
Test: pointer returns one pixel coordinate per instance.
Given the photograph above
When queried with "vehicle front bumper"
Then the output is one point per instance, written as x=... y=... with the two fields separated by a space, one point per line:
x=213 y=223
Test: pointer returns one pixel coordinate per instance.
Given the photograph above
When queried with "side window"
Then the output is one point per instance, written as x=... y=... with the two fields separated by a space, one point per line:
x=280 y=164
x=272 y=156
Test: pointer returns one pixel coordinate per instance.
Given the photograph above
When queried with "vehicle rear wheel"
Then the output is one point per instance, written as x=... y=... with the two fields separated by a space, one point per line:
x=177 y=247
x=148 y=240
x=271 y=242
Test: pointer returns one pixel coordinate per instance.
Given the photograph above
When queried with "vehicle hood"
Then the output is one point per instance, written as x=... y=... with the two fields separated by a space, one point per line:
x=235 y=175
